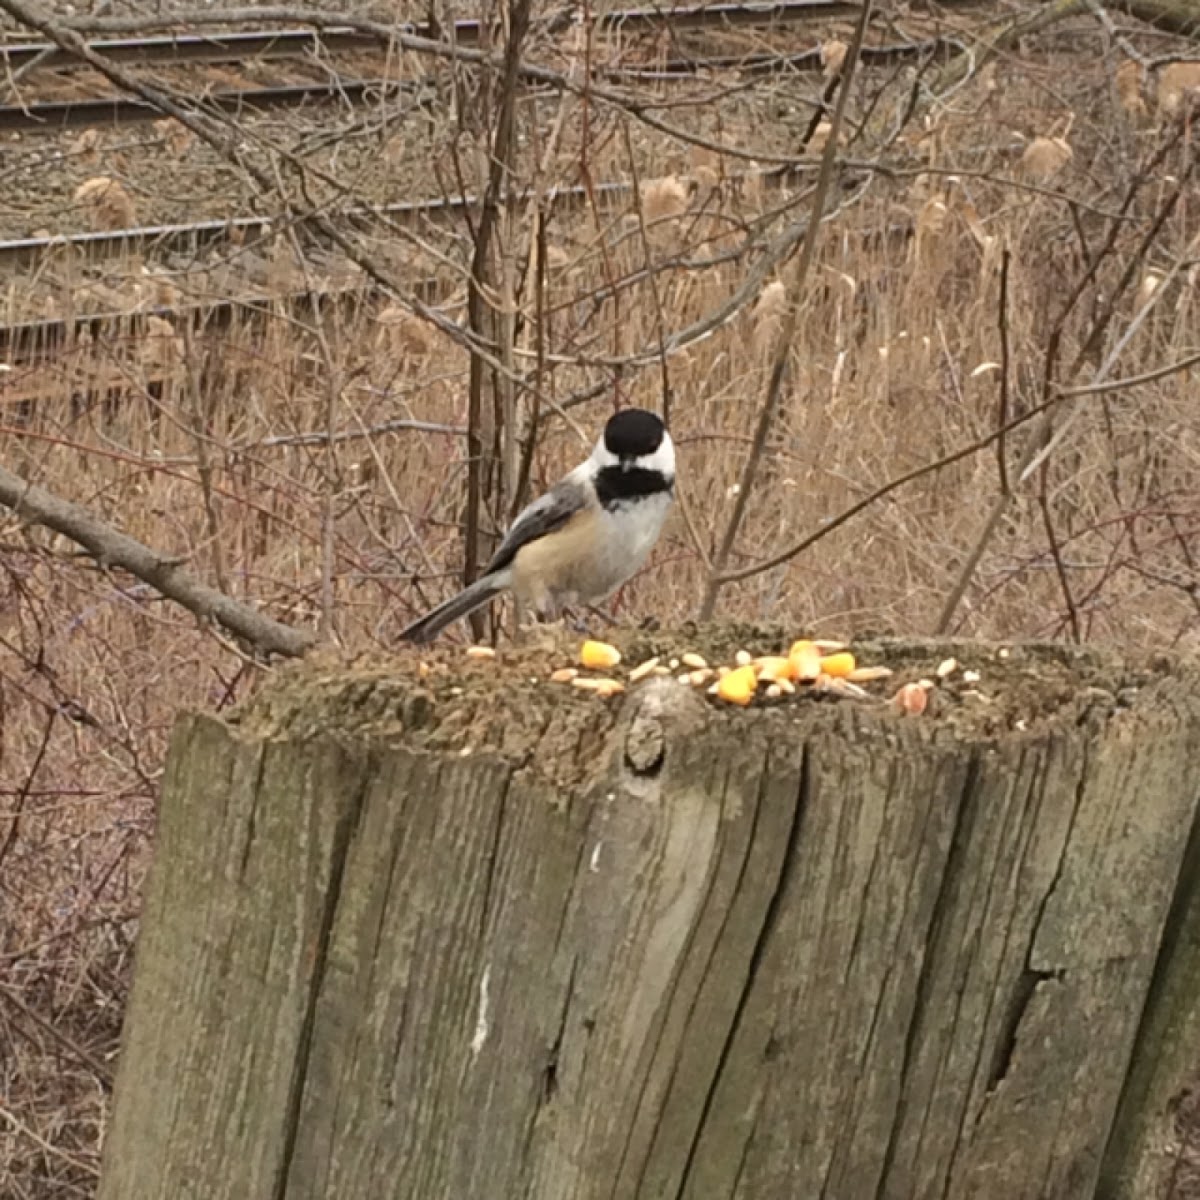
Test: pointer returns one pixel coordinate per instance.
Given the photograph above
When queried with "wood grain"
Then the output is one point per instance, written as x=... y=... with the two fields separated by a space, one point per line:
x=820 y=951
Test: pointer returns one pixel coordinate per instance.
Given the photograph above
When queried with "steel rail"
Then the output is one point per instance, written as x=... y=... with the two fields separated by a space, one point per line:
x=57 y=116
x=34 y=343
x=239 y=46
x=194 y=238
x=39 y=341
x=31 y=343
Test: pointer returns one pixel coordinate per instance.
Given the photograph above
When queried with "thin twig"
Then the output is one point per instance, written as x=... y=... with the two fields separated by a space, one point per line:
x=1120 y=385
x=99 y=1070
x=1060 y=567
x=111 y=548
x=1002 y=416
x=76 y=1164
x=791 y=321
x=14 y=816
x=1045 y=438
x=929 y=468
x=481 y=315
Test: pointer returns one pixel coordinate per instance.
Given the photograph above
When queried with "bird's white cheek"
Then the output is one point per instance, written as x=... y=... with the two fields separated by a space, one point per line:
x=663 y=459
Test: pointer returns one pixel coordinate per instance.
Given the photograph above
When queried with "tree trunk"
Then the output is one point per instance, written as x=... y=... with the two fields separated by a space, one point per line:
x=513 y=940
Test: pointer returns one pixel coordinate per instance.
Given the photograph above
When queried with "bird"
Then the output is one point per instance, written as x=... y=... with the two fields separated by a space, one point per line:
x=586 y=536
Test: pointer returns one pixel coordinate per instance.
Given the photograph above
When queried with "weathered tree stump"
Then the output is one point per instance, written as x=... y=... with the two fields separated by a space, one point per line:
x=484 y=937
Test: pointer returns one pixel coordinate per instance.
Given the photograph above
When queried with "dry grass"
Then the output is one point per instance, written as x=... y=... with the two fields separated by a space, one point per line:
x=207 y=442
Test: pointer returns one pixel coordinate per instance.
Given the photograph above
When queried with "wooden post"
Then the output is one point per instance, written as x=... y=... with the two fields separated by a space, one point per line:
x=518 y=941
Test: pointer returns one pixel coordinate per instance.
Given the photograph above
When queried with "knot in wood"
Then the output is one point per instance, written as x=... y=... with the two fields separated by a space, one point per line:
x=645 y=743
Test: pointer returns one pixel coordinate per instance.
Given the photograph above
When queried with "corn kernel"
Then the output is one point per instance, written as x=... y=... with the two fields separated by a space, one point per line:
x=738 y=686
x=805 y=661
x=598 y=656
x=839 y=665
x=772 y=667
x=911 y=700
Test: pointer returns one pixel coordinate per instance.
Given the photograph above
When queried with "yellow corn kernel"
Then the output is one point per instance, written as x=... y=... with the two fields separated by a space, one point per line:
x=598 y=656
x=805 y=661
x=772 y=667
x=839 y=665
x=738 y=686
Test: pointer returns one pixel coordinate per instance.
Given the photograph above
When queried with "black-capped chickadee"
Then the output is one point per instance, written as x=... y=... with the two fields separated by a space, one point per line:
x=586 y=536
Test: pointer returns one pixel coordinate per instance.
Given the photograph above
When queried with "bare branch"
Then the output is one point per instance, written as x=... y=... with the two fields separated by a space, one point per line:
x=947 y=460
x=111 y=548
x=787 y=332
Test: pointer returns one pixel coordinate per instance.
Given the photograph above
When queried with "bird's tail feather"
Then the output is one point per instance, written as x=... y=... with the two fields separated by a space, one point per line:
x=467 y=601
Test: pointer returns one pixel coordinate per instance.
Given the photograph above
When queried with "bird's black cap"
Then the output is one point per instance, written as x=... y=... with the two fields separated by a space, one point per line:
x=633 y=432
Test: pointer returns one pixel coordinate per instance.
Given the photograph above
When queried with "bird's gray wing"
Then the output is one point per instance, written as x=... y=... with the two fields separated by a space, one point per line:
x=545 y=514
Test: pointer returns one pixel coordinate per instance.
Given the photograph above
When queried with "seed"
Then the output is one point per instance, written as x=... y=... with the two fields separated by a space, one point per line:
x=602 y=686
x=480 y=652
x=743 y=658
x=563 y=675
x=946 y=668
x=970 y=677
x=911 y=700
x=869 y=674
x=695 y=661
x=643 y=669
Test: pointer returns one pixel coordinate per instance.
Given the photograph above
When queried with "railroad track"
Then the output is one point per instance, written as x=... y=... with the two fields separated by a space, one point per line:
x=33 y=342
x=178 y=49
x=56 y=116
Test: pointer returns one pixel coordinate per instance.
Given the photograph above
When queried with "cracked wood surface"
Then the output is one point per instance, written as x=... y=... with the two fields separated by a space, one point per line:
x=814 y=952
